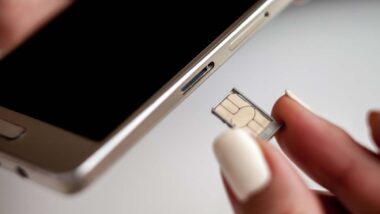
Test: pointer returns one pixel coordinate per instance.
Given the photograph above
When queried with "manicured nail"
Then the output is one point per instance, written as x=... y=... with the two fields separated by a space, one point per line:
x=242 y=163
x=294 y=97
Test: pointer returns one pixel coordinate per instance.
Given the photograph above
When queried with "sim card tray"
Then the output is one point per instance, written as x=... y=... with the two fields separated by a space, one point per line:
x=238 y=112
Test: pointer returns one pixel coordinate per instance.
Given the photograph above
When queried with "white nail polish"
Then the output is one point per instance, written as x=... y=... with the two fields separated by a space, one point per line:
x=242 y=163
x=294 y=97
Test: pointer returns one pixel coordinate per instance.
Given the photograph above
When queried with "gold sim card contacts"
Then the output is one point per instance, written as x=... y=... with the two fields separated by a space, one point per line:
x=238 y=112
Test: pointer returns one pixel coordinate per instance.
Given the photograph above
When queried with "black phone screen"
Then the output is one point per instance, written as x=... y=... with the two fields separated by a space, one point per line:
x=96 y=63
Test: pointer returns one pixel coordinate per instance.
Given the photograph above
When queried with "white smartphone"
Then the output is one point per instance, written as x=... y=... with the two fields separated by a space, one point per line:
x=84 y=88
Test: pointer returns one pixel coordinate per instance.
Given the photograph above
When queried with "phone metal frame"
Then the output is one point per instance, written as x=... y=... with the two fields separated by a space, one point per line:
x=74 y=161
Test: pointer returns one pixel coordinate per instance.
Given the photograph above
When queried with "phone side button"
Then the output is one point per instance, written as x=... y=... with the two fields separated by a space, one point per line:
x=244 y=35
x=10 y=131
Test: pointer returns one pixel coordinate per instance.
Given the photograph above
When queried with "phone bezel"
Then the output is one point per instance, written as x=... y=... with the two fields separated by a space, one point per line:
x=67 y=162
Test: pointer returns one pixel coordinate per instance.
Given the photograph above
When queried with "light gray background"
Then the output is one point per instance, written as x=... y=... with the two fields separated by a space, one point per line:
x=327 y=52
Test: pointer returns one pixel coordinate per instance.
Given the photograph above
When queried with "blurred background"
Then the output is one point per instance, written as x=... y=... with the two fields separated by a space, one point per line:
x=326 y=51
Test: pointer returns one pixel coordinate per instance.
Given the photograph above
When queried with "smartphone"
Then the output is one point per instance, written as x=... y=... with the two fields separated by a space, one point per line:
x=87 y=85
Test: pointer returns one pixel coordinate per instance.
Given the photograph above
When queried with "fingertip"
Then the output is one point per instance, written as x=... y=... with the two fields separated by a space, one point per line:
x=288 y=104
x=257 y=177
x=374 y=118
x=374 y=123
x=279 y=106
x=297 y=120
x=242 y=163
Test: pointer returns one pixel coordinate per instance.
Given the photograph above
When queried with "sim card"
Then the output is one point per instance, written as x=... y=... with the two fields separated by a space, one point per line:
x=238 y=112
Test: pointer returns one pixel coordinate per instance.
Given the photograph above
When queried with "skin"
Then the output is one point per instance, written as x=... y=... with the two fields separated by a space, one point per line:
x=324 y=151
x=327 y=154
x=20 y=18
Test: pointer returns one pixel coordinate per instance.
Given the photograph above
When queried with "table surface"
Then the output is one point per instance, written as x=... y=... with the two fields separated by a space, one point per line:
x=327 y=52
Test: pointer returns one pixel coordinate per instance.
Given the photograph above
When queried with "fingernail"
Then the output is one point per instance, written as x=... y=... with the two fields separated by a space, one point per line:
x=294 y=97
x=242 y=163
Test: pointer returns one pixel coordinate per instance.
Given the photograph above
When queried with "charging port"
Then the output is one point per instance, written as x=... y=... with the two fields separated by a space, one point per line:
x=197 y=77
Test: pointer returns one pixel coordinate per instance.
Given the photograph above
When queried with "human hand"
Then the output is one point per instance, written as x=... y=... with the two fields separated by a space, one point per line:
x=259 y=179
x=20 y=18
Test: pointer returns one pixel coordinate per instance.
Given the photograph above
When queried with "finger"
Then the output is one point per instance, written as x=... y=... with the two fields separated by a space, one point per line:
x=329 y=155
x=374 y=123
x=19 y=19
x=329 y=203
x=258 y=179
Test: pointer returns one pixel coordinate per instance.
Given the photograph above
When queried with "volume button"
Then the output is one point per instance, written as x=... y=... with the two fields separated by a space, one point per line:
x=246 y=32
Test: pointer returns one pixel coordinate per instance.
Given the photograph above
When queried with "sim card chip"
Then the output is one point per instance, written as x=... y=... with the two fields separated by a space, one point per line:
x=238 y=112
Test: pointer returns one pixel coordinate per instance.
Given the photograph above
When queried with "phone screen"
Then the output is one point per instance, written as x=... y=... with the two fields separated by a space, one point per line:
x=97 y=62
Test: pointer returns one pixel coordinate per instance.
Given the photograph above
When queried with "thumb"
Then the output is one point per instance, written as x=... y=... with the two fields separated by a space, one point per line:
x=259 y=179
